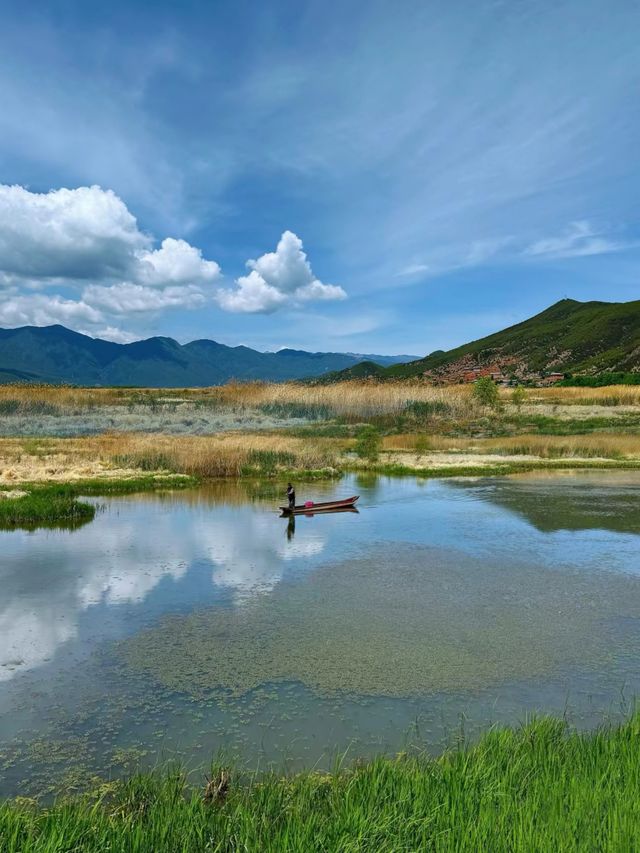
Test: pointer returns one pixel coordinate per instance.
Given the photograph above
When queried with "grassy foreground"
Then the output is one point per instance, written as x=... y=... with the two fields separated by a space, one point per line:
x=538 y=788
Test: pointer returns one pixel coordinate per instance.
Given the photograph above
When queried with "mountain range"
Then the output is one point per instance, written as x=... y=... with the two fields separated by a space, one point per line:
x=55 y=354
x=586 y=338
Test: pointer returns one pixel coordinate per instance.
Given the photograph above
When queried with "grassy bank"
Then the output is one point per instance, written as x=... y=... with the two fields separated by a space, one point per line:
x=56 y=505
x=538 y=788
x=48 y=506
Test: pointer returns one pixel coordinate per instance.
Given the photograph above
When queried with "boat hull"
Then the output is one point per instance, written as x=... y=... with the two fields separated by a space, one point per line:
x=327 y=506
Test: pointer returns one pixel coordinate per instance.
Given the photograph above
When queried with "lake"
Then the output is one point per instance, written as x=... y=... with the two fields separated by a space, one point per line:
x=200 y=624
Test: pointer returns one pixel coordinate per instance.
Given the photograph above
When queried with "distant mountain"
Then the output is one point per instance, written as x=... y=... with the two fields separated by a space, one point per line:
x=587 y=338
x=56 y=354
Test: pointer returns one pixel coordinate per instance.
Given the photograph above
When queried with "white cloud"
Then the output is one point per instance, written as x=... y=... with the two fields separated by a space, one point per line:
x=129 y=298
x=413 y=269
x=86 y=238
x=40 y=310
x=176 y=262
x=111 y=333
x=277 y=279
x=580 y=239
x=253 y=296
x=75 y=234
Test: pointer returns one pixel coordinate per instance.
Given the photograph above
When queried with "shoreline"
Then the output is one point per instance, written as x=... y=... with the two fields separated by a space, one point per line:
x=32 y=503
x=497 y=794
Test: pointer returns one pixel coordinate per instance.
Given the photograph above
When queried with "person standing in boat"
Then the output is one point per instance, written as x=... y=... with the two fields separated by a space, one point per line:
x=291 y=495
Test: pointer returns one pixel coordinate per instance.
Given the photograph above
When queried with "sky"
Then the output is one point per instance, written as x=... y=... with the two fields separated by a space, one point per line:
x=366 y=176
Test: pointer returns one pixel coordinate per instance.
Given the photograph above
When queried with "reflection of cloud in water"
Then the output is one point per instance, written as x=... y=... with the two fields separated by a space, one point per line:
x=132 y=560
x=49 y=579
x=250 y=556
x=28 y=639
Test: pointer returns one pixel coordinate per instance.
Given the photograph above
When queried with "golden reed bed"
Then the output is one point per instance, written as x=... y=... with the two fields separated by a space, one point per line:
x=353 y=397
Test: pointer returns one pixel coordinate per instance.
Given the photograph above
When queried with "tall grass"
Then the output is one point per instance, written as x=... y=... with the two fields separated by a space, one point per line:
x=224 y=455
x=289 y=399
x=360 y=395
x=594 y=445
x=540 y=788
x=611 y=395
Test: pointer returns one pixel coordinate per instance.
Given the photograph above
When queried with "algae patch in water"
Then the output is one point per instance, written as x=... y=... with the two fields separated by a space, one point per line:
x=402 y=621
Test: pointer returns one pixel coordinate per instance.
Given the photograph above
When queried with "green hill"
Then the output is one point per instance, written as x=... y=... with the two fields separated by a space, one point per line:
x=55 y=354
x=587 y=338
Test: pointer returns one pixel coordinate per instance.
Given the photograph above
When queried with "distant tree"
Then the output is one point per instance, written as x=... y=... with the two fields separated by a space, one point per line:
x=485 y=391
x=423 y=444
x=368 y=442
x=518 y=397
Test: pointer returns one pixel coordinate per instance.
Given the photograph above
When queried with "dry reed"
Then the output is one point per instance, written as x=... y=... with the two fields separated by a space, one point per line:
x=594 y=445
x=352 y=398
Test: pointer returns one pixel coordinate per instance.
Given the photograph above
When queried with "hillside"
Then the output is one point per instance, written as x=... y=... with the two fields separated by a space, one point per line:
x=587 y=338
x=56 y=354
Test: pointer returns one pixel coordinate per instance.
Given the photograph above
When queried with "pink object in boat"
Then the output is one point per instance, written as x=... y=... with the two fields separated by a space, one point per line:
x=308 y=503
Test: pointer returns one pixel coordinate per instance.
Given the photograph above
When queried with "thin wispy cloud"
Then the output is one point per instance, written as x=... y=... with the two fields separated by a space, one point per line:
x=580 y=239
x=487 y=144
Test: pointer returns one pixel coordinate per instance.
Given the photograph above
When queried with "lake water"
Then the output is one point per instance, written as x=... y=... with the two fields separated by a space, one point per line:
x=200 y=624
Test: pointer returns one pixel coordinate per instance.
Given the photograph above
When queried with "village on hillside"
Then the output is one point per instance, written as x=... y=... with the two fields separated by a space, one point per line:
x=505 y=371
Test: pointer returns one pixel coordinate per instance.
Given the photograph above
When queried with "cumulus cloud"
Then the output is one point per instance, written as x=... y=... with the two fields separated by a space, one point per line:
x=176 y=262
x=128 y=298
x=82 y=233
x=277 y=279
x=40 y=310
x=112 y=333
x=86 y=239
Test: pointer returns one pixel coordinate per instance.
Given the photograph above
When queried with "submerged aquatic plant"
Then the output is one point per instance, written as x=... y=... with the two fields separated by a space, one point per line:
x=403 y=621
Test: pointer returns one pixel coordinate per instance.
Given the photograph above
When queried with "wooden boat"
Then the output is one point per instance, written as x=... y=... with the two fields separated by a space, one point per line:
x=309 y=511
x=327 y=506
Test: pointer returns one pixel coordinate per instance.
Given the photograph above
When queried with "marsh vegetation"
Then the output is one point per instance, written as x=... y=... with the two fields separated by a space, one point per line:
x=541 y=787
x=277 y=431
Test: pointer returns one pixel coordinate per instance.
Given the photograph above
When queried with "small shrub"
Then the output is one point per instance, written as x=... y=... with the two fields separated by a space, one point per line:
x=27 y=407
x=368 y=442
x=423 y=444
x=485 y=391
x=268 y=462
x=518 y=397
x=424 y=410
x=9 y=407
x=286 y=410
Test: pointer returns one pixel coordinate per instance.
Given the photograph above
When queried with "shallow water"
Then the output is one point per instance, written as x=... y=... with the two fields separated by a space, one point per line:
x=193 y=624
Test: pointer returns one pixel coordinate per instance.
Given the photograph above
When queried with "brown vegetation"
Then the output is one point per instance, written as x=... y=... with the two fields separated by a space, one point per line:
x=594 y=445
x=125 y=455
x=439 y=427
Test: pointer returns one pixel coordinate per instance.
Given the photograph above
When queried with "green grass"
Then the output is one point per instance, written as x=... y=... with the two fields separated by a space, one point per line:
x=57 y=505
x=46 y=507
x=601 y=380
x=538 y=788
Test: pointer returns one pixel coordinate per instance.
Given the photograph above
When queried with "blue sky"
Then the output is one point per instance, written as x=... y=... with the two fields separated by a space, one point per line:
x=439 y=170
